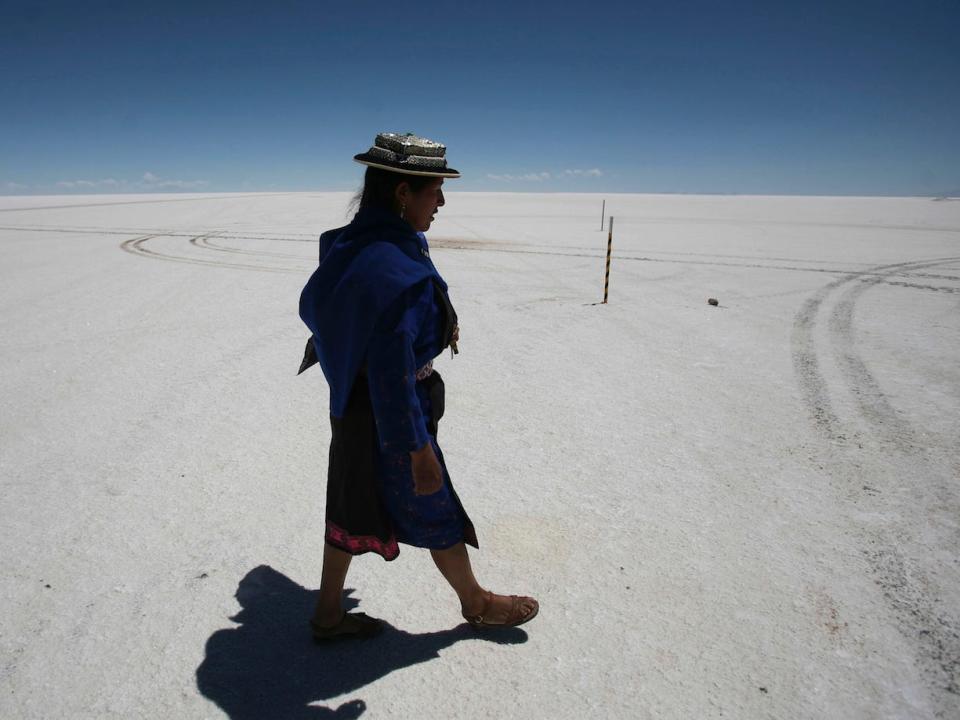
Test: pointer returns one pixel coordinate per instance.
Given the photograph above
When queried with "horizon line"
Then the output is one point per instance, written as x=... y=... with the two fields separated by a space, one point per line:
x=955 y=195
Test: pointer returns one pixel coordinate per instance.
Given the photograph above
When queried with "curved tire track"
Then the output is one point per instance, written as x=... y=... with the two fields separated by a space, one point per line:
x=875 y=408
x=203 y=241
x=897 y=544
x=806 y=362
x=135 y=246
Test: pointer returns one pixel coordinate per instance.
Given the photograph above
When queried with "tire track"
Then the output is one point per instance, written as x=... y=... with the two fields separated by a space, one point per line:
x=704 y=220
x=897 y=548
x=924 y=617
x=135 y=246
x=203 y=241
x=482 y=245
x=918 y=286
x=806 y=362
x=874 y=406
x=846 y=273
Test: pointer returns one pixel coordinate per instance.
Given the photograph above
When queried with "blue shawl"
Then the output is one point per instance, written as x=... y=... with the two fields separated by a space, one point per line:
x=365 y=268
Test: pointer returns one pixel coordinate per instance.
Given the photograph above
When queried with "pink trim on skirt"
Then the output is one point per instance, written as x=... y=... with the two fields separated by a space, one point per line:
x=358 y=544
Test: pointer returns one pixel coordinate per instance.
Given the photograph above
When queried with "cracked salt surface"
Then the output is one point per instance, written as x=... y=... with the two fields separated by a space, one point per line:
x=746 y=511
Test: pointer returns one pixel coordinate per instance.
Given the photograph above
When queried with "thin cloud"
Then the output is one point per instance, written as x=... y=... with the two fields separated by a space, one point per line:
x=541 y=176
x=14 y=186
x=592 y=172
x=150 y=181
x=527 y=177
x=89 y=184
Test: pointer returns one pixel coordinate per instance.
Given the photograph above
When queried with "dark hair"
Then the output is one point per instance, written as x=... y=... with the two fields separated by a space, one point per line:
x=379 y=187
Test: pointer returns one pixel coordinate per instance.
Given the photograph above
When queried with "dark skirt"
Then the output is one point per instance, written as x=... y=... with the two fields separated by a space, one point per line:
x=370 y=501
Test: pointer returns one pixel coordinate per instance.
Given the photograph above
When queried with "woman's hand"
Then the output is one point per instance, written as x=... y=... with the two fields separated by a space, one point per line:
x=427 y=473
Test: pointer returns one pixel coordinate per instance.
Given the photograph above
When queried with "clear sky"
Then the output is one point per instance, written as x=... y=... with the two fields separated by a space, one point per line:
x=763 y=97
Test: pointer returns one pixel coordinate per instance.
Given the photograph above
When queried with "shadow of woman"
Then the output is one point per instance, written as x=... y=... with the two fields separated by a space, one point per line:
x=269 y=666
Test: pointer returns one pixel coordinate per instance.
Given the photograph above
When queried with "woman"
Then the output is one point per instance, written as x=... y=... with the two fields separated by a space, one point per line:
x=379 y=313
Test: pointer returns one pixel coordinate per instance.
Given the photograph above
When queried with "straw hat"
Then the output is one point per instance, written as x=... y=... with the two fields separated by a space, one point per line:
x=408 y=154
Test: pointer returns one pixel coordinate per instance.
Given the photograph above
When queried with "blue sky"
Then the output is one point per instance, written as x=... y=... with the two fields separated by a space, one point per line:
x=854 y=98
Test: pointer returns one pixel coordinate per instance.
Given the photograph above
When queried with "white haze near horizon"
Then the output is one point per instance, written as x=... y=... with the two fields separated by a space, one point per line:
x=748 y=510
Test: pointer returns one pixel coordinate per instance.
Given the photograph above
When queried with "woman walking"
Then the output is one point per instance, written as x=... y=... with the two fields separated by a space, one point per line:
x=379 y=313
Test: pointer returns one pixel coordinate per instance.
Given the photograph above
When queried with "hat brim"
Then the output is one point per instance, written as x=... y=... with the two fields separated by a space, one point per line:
x=366 y=159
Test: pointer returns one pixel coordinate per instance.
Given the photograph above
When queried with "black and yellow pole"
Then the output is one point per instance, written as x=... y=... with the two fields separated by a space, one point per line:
x=606 y=279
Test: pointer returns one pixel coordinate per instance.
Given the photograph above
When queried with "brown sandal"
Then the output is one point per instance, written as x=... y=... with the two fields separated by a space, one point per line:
x=514 y=617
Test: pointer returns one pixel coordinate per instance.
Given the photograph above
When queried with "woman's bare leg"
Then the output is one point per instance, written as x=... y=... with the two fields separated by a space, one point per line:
x=454 y=565
x=329 y=609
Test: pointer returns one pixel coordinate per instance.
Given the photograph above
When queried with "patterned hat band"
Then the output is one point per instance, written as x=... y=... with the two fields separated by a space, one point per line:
x=415 y=161
x=409 y=154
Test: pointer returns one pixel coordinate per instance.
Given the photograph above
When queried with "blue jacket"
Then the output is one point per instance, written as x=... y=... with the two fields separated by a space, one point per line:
x=368 y=266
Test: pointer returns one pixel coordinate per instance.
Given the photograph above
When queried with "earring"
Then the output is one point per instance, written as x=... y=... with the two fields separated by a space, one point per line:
x=403 y=209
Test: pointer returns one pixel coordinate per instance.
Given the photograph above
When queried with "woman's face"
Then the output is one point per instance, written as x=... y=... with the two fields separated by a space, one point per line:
x=421 y=207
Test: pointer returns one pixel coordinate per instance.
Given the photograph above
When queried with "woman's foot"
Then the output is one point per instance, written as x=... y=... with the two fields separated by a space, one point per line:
x=489 y=609
x=350 y=625
x=327 y=617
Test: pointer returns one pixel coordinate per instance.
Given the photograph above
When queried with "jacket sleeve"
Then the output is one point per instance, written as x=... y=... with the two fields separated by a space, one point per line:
x=392 y=371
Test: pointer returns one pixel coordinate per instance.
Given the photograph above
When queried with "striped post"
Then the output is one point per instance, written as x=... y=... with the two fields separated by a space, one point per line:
x=606 y=278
